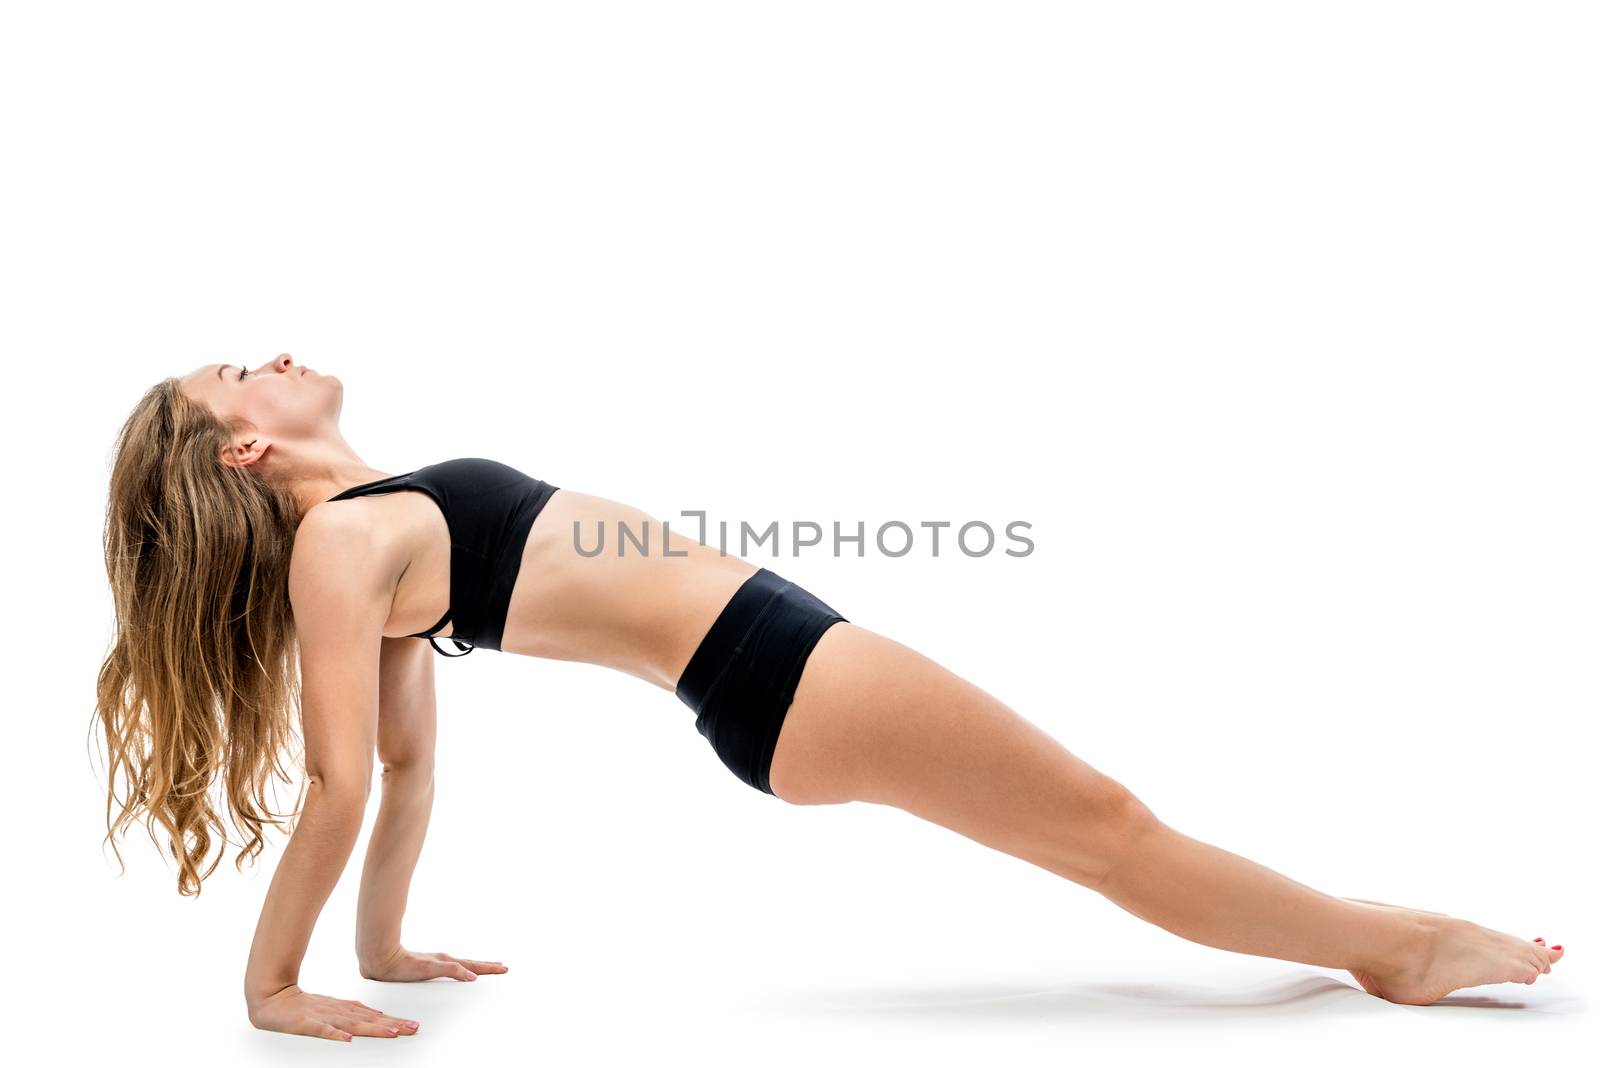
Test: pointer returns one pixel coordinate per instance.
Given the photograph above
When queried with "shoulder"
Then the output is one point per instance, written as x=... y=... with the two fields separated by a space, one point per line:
x=340 y=555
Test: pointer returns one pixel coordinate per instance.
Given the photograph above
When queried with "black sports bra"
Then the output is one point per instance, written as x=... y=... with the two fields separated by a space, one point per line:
x=489 y=508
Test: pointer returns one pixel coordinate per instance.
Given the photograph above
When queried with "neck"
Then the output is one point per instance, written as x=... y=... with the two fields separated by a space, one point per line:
x=325 y=468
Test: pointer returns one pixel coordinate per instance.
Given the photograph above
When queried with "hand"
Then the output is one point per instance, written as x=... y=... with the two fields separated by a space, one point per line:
x=404 y=966
x=294 y=1012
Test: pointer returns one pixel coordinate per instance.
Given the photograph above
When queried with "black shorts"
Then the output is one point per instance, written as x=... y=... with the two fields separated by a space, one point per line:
x=743 y=675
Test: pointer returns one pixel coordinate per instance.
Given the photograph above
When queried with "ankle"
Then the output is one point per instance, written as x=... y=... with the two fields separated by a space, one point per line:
x=1406 y=945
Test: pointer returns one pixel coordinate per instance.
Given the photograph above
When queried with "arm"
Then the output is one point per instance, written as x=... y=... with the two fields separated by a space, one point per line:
x=340 y=595
x=406 y=732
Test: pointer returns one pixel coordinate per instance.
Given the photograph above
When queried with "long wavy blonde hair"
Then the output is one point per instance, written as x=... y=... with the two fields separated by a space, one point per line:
x=203 y=674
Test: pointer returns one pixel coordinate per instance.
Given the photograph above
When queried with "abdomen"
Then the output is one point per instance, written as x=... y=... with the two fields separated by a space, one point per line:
x=642 y=613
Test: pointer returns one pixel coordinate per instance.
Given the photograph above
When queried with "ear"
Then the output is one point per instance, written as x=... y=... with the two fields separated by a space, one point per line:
x=245 y=453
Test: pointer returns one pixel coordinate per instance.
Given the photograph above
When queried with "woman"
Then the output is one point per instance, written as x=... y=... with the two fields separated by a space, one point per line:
x=244 y=534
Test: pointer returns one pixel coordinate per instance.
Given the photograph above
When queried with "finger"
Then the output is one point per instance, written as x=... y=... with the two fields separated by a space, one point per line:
x=370 y=1028
x=378 y=1029
x=484 y=966
x=469 y=962
x=448 y=970
x=385 y=1029
x=399 y=1024
x=327 y=1030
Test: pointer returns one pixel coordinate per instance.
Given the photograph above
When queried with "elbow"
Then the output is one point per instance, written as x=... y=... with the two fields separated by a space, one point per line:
x=352 y=790
x=411 y=773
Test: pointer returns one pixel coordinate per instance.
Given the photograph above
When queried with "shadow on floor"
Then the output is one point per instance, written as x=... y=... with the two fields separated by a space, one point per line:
x=1131 y=1000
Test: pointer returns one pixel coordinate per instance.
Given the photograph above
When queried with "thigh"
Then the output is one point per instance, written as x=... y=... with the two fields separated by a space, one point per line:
x=874 y=720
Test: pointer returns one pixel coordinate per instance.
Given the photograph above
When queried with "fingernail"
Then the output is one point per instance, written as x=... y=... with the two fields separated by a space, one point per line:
x=412 y=1023
x=394 y=1030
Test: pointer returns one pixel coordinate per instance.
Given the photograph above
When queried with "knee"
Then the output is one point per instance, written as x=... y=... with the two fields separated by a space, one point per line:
x=1121 y=823
x=1115 y=812
x=1122 y=807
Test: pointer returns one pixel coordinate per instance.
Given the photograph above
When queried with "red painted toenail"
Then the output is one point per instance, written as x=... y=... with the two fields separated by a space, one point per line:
x=1538 y=940
x=1555 y=947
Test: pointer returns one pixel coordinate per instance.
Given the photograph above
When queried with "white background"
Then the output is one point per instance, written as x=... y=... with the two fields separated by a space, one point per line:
x=1277 y=322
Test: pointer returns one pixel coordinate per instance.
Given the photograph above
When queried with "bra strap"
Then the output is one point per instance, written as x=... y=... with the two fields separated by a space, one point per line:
x=465 y=647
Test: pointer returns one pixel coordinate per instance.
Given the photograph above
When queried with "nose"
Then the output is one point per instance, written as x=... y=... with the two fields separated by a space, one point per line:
x=282 y=362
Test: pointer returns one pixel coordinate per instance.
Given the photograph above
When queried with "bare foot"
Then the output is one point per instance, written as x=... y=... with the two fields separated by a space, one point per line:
x=1453 y=954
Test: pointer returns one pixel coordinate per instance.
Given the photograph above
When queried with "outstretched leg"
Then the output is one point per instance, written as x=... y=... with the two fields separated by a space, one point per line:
x=873 y=720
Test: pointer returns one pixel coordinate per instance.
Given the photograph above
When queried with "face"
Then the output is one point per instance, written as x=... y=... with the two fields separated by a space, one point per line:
x=280 y=400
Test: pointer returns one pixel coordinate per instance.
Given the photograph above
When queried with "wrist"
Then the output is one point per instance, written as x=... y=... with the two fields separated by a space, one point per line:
x=375 y=961
x=258 y=993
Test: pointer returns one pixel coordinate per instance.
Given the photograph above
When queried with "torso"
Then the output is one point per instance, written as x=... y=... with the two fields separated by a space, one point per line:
x=643 y=614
